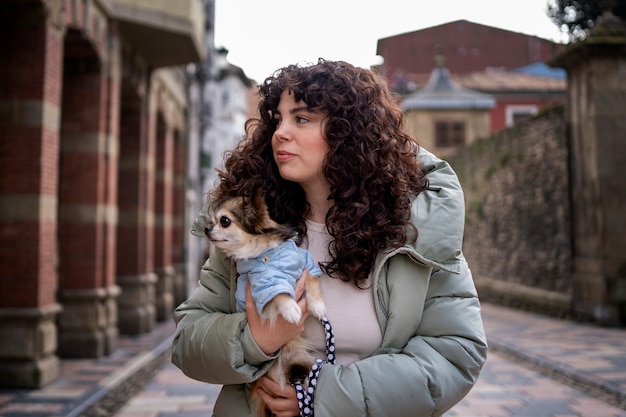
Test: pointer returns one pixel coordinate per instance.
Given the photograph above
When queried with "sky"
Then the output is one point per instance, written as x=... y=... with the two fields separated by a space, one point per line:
x=264 y=35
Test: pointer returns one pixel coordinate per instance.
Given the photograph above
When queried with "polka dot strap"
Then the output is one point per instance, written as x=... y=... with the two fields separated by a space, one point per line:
x=306 y=396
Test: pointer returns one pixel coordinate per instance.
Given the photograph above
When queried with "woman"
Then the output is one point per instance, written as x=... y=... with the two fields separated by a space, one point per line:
x=383 y=218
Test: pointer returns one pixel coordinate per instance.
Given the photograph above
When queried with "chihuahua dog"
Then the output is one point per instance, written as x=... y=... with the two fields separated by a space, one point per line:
x=268 y=258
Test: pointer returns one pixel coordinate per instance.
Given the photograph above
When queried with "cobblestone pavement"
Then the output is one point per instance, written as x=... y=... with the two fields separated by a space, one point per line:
x=505 y=389
x=537 y=366
x=509 y=389
x=95 y=387
x=589 y=357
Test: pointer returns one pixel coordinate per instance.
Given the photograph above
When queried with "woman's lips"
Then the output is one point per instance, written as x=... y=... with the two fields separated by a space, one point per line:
x=283 y=156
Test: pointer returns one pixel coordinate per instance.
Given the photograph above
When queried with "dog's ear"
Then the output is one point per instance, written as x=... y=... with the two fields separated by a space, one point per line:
x=257 y=217
x=255 y=214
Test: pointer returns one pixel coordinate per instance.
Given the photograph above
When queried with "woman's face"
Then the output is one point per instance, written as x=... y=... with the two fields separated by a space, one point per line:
x=298 y=143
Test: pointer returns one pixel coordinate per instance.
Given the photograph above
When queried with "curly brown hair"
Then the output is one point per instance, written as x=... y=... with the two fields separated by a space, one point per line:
x=371 y=166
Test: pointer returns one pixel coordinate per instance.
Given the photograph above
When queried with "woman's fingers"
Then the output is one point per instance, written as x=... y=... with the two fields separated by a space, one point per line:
x=282 y=402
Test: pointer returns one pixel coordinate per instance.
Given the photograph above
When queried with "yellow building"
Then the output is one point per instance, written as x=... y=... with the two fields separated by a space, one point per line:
x=443 y=115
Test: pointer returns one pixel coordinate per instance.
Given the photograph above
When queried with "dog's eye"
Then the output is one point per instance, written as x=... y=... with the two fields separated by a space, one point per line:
x=224 y=221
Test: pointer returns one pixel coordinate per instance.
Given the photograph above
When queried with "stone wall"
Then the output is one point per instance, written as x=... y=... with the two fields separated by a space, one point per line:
x=518 y=214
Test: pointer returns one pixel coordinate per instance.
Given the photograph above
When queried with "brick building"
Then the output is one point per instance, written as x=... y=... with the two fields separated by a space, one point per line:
x=511 y=67
x=92 y=171
x=467 y=46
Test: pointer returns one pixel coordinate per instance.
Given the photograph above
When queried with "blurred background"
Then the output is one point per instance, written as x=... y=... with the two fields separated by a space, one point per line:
x=114 y=115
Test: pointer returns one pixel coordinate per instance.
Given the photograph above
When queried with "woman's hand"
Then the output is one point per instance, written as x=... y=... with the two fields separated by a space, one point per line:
x=271 y=338
x=282 y=402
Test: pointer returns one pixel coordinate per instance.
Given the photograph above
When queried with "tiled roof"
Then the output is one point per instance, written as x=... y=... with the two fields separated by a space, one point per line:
x=441 y=92
x=497 y=80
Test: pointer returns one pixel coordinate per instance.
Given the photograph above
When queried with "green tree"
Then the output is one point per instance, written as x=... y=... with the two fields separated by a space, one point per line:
x=577 y=17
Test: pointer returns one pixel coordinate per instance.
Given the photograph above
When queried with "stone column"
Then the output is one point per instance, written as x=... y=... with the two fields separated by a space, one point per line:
x=596 y=70
x=28 y=343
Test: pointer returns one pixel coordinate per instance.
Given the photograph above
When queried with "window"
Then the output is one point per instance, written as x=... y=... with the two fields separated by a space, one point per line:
x=449 y=133
x=515 y=114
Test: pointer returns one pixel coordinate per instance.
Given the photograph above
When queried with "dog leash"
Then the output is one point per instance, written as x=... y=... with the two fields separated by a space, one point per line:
x=306 y=397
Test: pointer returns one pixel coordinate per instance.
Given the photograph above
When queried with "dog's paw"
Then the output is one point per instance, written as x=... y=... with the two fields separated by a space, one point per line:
x=317 y=307
x=291 y=312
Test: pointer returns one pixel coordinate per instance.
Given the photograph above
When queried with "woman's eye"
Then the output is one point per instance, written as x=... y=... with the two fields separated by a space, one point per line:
x=300 y=119
x=224 y=221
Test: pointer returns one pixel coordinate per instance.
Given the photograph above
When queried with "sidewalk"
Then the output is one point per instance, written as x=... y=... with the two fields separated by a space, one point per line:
x=538 y=366
x=95 y=387
x=544 y=367
x=584 y=356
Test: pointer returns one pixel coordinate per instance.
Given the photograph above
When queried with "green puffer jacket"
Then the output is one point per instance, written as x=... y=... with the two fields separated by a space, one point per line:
x=433 y=346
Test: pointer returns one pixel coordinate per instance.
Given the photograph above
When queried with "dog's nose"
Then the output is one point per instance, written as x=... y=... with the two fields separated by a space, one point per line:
x=207 y=230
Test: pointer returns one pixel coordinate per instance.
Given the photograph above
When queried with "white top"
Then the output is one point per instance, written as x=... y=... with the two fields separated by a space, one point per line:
x=350 y=310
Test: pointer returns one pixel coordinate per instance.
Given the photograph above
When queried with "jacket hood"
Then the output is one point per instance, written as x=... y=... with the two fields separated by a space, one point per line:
x=438 y=213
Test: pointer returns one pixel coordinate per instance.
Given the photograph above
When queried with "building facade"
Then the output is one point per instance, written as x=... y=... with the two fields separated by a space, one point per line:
x=443 y=115
x=92 y=175
x=226 y=99
x=468 y=47
x=518 y=94
x=221 y=97
x=511 y=67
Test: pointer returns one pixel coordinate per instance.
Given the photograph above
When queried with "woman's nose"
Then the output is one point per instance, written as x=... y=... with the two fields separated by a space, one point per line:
x=283 y=132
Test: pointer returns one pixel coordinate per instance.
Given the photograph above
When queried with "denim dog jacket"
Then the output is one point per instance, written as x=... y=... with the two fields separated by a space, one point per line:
x=273 y=272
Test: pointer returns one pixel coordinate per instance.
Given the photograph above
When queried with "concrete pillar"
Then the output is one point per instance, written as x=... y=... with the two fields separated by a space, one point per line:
x=596 y=71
